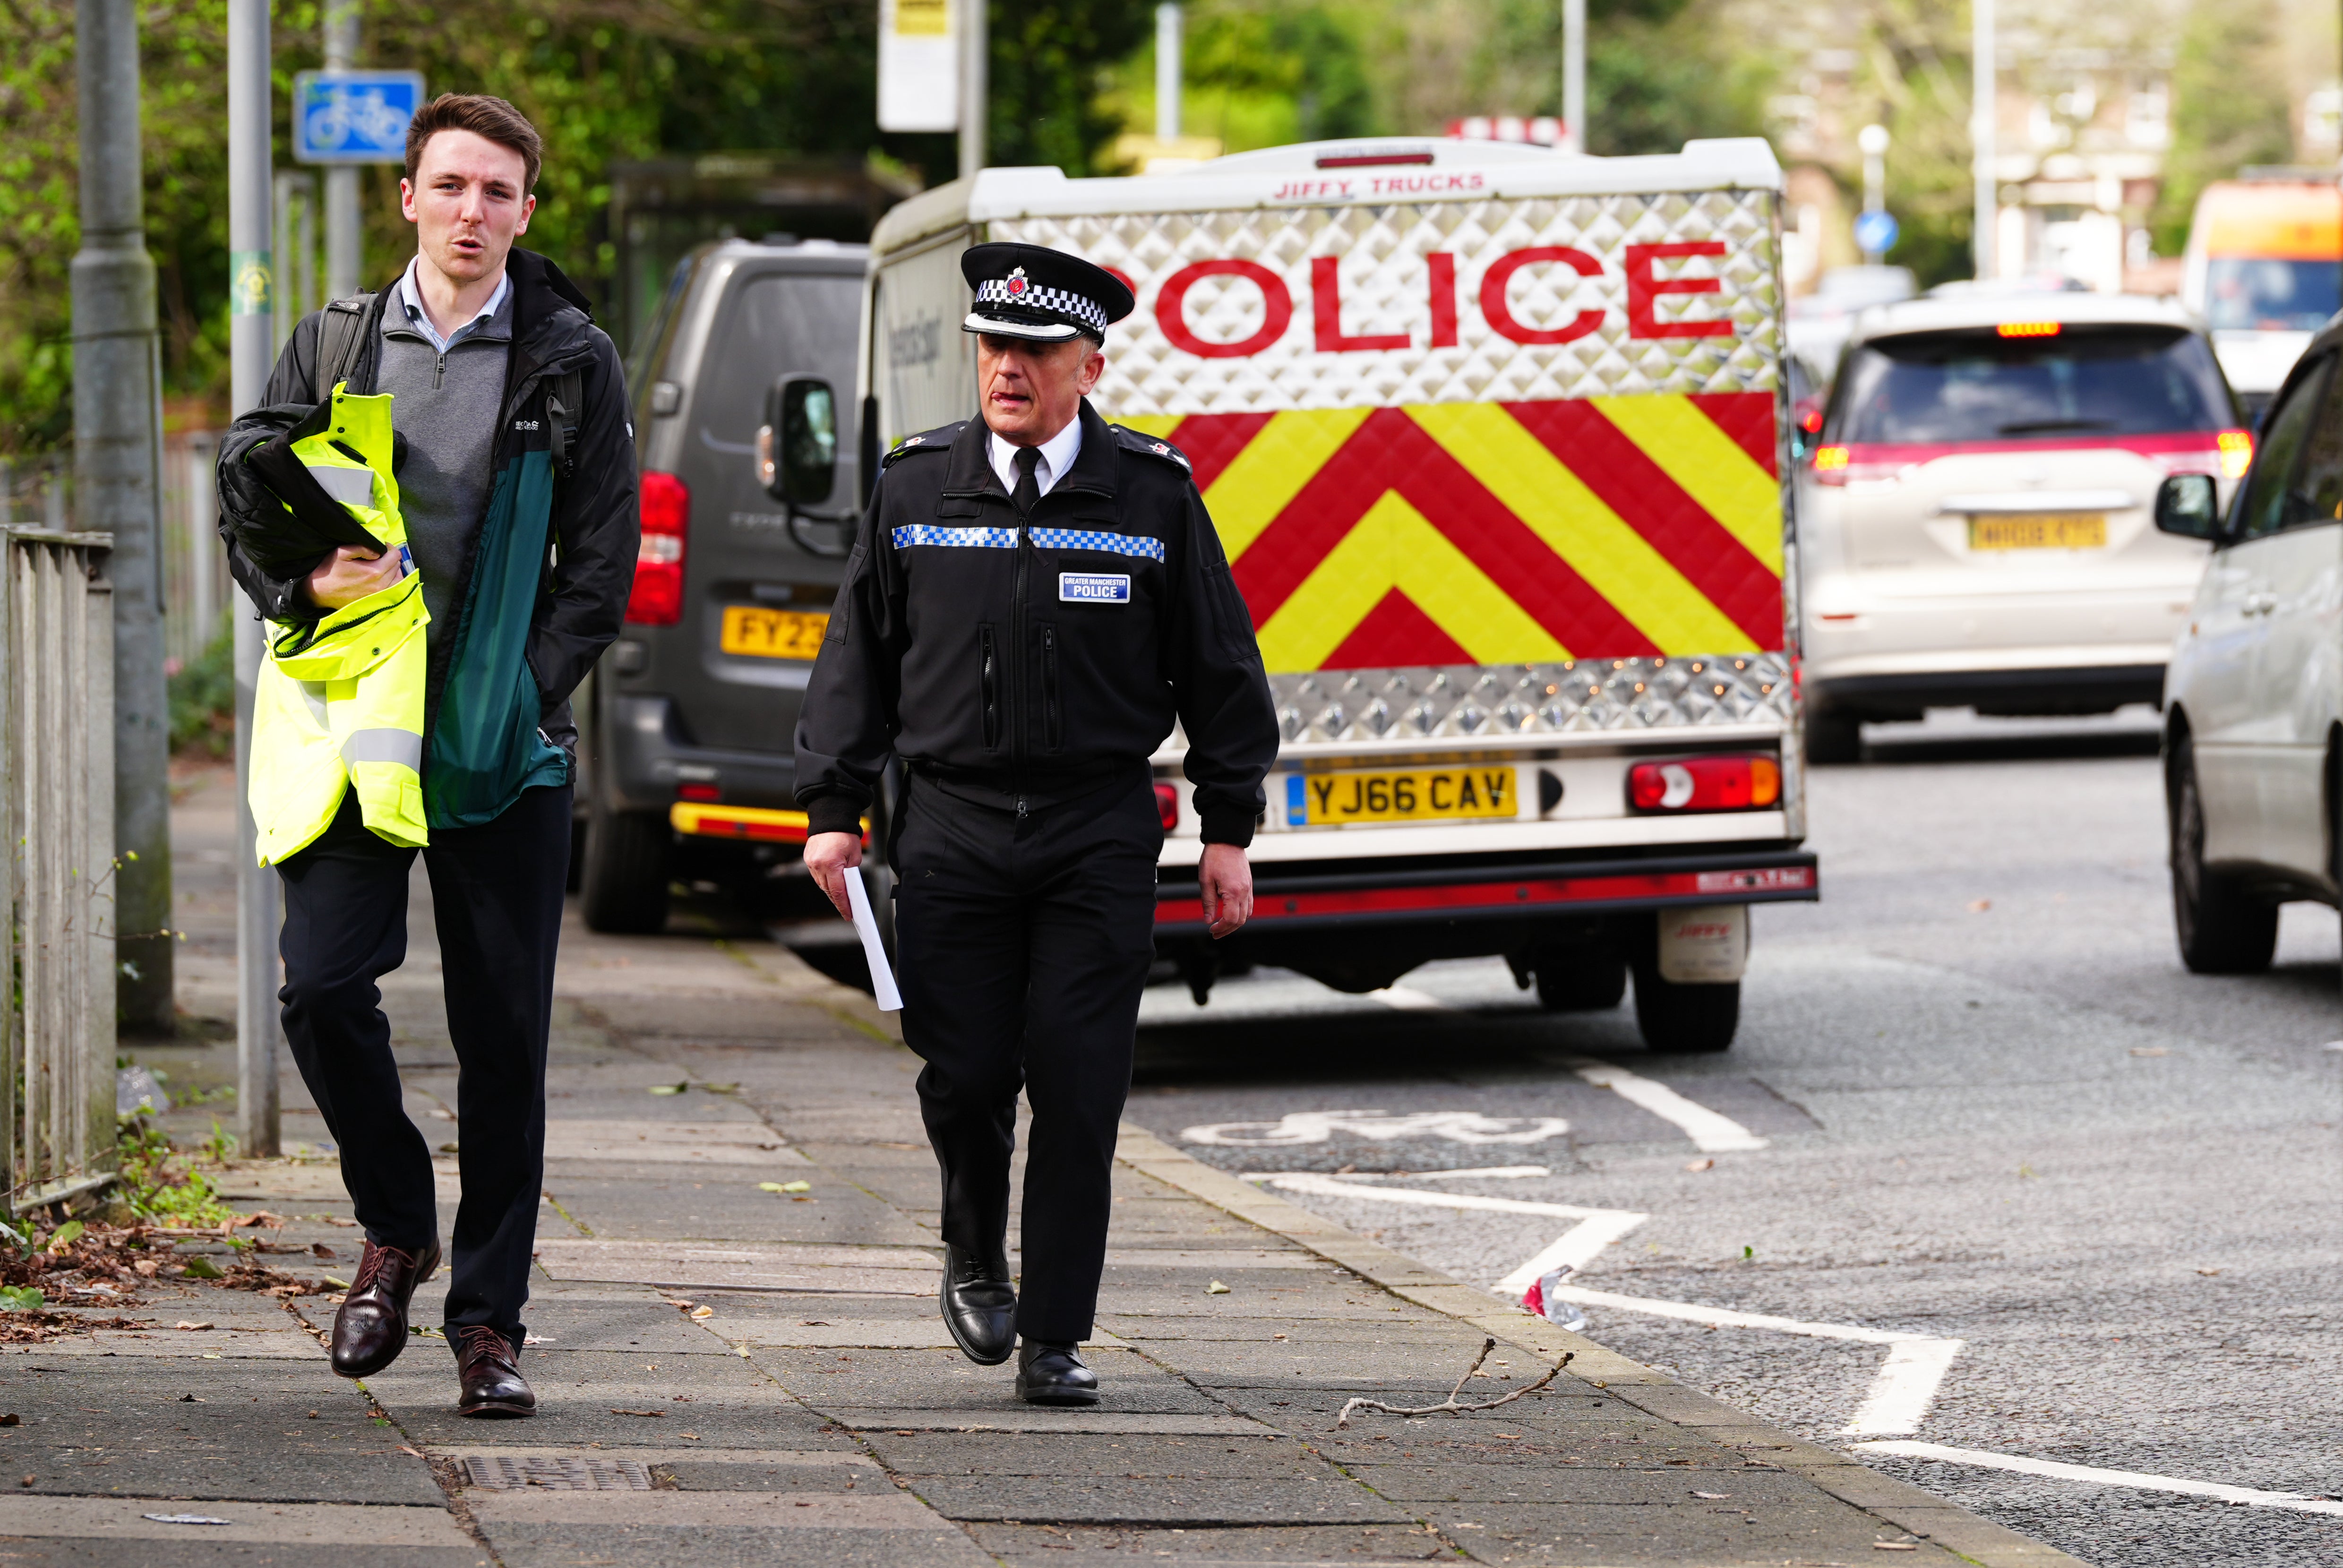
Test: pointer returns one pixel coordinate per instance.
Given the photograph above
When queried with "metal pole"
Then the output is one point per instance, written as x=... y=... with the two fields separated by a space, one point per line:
x=1573 y=76
x=1983 y=115
x=345 y=241
x=281 y=303
x=1167 y=73
x=117 y=477
x=973 y=44
x=249 y=291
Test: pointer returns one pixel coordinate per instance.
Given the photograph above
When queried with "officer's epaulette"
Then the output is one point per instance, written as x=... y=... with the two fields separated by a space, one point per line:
x=1154 y=446
x=938 y=439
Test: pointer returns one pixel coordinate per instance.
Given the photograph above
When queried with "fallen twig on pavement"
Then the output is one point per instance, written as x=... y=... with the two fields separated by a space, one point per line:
x=1449 y=1402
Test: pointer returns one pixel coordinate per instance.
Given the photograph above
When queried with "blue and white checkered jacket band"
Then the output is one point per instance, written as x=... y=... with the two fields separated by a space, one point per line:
x=1137 y=544
x=1035 y=296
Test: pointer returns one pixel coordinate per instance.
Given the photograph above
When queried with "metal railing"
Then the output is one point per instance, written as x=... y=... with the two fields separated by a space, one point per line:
x=57 y=877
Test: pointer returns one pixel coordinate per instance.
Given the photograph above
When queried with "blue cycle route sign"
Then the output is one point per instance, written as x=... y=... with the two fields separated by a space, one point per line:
x=1874 y=232
x=353 y=116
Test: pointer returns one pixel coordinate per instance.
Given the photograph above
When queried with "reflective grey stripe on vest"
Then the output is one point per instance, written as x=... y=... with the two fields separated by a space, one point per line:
x=351 y=486
x=400 y=745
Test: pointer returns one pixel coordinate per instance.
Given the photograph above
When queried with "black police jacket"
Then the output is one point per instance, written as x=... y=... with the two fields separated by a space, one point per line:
x=1018 y=661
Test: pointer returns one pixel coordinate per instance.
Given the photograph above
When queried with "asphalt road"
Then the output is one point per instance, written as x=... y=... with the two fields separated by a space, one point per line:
x=1994 y=1108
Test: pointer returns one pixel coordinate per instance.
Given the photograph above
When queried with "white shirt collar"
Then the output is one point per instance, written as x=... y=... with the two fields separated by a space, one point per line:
x=1058 y=454
x=410 y=299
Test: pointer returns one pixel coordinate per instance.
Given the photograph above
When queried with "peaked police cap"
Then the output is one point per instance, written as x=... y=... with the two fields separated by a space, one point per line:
x=1031 y=291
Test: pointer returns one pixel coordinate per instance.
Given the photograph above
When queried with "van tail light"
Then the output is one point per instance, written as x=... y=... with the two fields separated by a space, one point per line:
x=1167 y=805
x=657 y=598
x=1741 y=783
x=1830 y=465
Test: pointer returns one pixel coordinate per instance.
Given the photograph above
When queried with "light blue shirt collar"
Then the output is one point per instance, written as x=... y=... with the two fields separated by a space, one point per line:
x=410 y=299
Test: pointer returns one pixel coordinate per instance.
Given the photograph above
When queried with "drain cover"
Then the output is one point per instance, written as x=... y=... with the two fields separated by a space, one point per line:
x=501 y=1472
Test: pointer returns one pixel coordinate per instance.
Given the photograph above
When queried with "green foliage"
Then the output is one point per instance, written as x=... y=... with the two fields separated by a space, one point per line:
x=203 y=702
x=153 y=1189
x=21 y=1299
x=2231 y=106
x=1258 y=73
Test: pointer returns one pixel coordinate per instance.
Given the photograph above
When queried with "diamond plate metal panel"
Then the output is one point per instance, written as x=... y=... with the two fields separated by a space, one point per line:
x=1494 y=702
x=1382 y=257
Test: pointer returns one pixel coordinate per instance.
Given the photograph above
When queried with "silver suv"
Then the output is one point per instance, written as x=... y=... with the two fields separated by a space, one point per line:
x=688 y=727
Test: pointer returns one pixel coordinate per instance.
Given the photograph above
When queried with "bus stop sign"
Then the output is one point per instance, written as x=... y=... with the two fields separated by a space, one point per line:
x=353 y=116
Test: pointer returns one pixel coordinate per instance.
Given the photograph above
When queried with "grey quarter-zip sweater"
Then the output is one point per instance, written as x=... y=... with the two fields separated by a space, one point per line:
x=447 y=403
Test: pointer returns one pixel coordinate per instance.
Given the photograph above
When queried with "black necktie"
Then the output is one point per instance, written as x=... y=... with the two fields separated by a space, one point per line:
x=1029 y=486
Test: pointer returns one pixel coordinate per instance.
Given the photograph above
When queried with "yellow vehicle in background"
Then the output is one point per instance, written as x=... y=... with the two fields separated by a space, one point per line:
x=2264 y=267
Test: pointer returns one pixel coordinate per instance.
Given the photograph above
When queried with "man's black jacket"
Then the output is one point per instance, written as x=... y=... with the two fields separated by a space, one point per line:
x=1019 y=661
x=594 y=525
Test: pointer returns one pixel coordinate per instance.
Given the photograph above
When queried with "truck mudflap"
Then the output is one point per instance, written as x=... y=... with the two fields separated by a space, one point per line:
x=1504 y=892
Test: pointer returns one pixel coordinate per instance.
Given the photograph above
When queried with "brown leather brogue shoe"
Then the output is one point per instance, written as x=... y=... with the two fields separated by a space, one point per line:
x=490 y=1371
x=371 y=1328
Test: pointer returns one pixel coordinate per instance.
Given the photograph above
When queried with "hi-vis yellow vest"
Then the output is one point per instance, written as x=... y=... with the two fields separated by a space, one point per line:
x=340 y=705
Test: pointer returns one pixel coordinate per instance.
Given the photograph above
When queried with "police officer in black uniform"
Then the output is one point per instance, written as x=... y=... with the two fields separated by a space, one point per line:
x=1033 y=597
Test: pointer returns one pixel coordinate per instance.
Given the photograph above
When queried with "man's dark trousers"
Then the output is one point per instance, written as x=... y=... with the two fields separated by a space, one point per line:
x=1024 y=944
x=496 y=894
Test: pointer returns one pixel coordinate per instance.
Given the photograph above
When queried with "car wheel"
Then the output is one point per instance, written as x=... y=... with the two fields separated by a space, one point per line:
x=623 y=885
x=1579 y=979
x=1677 y=1018
x=1833 y=737
x=2223 y=929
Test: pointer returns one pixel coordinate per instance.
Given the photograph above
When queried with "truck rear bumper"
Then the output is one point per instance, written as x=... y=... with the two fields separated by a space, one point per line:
x=1527 y=893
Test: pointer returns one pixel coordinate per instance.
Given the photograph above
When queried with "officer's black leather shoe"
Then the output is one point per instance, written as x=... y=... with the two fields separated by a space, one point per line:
x=979 y=1307
x=371 y=1328
x=1054 y=1375
x=489 y=1372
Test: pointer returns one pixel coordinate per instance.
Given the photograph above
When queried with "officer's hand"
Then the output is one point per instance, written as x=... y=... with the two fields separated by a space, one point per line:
x=350 y=575
x=1226 y=878
x=829 y=857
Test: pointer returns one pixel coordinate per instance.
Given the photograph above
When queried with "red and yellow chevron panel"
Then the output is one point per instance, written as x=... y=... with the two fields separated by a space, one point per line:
x=1498 y=533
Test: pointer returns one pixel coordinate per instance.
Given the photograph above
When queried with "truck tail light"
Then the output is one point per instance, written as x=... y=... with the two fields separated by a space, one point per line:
x=1167 y=805
x=1830 y=465
x=1743 y=783
x=657 y=597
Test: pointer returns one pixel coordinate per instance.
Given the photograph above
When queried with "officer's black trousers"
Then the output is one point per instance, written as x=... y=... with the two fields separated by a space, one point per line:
x=496 y=894
x=1024 y=944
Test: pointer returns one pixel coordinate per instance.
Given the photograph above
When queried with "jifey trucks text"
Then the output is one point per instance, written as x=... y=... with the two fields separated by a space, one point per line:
x=1493 y=437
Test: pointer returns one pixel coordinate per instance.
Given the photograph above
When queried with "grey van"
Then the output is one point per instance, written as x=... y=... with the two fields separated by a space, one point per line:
x=689 y=728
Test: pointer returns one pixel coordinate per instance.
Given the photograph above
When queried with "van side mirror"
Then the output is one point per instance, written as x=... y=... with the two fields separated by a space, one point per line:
x=2188 y=506
x=797 y=448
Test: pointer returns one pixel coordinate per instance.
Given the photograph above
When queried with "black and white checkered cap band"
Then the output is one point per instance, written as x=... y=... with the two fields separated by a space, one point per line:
x=1036 y=297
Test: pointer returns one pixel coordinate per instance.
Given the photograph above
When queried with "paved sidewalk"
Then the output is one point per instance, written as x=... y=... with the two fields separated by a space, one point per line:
x=732 y=1374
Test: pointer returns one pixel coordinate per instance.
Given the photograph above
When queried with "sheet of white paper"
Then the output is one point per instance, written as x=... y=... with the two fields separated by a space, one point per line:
x=865 y=925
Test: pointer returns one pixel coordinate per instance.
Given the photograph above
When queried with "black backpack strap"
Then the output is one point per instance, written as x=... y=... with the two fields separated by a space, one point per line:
x=565 y=401
x=340 y=340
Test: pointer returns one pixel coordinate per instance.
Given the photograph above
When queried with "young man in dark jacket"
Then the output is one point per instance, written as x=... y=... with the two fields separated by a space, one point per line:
x=517 y=480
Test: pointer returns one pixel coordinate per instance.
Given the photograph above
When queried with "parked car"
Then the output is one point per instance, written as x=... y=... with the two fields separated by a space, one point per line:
x=2253 y=748
x=689 y=729
x=1974 y=524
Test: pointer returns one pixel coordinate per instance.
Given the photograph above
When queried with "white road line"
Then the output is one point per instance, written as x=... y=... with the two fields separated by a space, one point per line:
x=1487 y=1172
x=2244 y=1495
x=1711 y=1133
x=1900 y=1392
x=1578 y=1246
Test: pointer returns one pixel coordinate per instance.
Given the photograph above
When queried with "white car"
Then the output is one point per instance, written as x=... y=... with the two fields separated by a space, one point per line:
x=1974 y=524
x=2254 y=701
